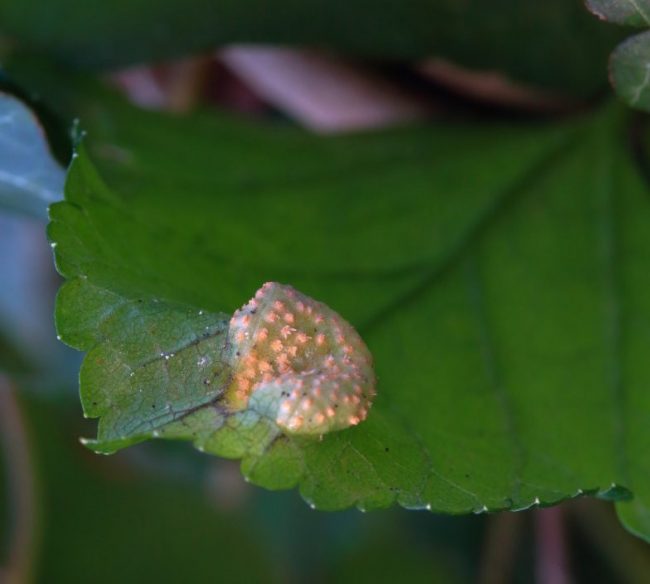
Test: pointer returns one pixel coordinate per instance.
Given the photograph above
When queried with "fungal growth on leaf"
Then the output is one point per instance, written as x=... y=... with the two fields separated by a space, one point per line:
x=299 y=363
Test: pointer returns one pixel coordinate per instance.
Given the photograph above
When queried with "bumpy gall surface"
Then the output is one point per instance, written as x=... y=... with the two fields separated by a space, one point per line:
x=299 y=363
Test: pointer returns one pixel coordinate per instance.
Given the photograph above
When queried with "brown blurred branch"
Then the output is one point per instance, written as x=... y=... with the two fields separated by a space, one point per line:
x=21 y=488
x=175 y=87
x=492 y=87
x=552 y=566
x=504 y=530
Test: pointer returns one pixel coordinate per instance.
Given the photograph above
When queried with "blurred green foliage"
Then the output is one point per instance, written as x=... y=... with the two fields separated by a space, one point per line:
x=553 y=44
x=498 y=272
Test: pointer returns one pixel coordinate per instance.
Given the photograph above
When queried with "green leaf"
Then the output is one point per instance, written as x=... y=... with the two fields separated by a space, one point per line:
x=498 y=275
x=553 y=44
x=630 y=71
x=630 y=62
x=30 y=177
x=12 y=359
x=150 y=363
x=628 y=12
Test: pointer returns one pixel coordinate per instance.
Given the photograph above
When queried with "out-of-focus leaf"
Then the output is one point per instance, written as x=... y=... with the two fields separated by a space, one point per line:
x=553 y=44
x=30 y=178
x=375 y=562
x=11 y=359
x=499 y=276
x=630 y=71
x=630 y=62
x=629 y=12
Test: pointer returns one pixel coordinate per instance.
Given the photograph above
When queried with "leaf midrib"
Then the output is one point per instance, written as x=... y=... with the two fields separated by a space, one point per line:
x=457 y=253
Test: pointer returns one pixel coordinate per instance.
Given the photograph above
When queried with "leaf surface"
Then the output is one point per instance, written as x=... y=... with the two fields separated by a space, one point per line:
x=629 y=64
x=628 y=12
x=498 y=275
x=630 y=71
